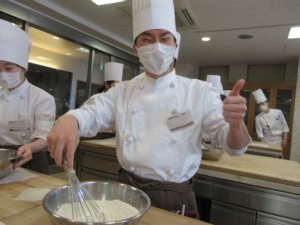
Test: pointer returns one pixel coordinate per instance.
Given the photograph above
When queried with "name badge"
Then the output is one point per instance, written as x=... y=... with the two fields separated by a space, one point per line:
x=18 y=125
x=180 y=121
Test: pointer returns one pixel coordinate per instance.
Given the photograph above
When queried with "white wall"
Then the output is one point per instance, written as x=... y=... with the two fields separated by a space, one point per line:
x=295 y=146
x=78 y=67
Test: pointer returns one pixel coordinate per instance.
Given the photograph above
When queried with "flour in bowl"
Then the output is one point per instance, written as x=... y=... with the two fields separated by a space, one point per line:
x=114 y=210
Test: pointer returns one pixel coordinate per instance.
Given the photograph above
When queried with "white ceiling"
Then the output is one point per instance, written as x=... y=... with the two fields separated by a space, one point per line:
x=223 y=21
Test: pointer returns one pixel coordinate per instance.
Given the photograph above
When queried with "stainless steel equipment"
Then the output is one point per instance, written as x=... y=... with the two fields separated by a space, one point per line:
x=6 y=156
x=99 y=190
x=212 y=153
x=84 y=207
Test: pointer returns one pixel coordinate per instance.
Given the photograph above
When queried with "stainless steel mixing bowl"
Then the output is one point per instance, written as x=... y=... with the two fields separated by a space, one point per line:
x=213 y=153
x=99 y=190
x=6 y=156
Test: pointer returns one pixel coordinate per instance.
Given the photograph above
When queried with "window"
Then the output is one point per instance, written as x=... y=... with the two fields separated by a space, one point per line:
x=12 y=20
x=60 y=64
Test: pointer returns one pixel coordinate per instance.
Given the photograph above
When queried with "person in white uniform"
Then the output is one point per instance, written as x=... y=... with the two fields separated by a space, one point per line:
x=113 y=73
x=27 y=113
x=159 y=116
x=270 y=124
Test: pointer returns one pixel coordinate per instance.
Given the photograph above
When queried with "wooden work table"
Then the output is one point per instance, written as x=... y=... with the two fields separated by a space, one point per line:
x=265 y=149
x=260 y=168
x=32 y=213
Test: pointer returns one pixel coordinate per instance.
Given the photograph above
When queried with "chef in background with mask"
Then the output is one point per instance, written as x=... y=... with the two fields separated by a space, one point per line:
x=27 y=113
x=113 y=73
x=270 y=124
x=159 y=116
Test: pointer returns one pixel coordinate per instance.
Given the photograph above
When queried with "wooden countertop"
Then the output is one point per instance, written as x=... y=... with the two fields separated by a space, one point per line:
x=32 y=213
x=253 y=166
x=259 y=167
x=154 y=216
x=266 y=146
x=109 y=143
x=8 y=192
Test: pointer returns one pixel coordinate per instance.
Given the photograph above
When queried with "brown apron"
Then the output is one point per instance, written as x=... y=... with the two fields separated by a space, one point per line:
x=163 y=194
x=38 y=162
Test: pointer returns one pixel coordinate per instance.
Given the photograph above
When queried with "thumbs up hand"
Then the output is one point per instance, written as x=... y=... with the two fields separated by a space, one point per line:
x=234 y=108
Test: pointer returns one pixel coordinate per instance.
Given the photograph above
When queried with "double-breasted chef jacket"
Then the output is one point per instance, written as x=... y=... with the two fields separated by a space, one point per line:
x=271 y=126
x=140 y=108
x=30 y=104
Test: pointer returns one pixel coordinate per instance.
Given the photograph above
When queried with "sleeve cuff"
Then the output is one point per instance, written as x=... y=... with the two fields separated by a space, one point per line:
x=81 y=121
x=235 y=153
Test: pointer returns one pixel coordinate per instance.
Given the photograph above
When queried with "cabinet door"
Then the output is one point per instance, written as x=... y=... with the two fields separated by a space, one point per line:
x=284 y=103
x=225 y=214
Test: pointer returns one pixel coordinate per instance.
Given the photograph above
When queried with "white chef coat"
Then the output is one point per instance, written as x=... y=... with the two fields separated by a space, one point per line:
x=140 y=107
x=270 y=126
x=30 y=103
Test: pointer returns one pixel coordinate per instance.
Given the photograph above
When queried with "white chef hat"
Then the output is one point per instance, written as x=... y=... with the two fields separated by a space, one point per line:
x=81 y=93
x=153 y=14
x=259 y=96
x=178 y=39
x=14 y=44
x=113 y=71
x=215 y=80
x=226 y=92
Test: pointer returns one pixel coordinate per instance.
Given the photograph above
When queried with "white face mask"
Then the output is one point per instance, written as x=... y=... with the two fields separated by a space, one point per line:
x=156 y=58
x=10 y=80
x=263 y=108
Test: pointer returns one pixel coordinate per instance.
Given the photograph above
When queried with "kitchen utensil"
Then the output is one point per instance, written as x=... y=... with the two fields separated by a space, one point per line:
x=6 y=158
x=99 y=190
x=84 y=207
x=212 y=152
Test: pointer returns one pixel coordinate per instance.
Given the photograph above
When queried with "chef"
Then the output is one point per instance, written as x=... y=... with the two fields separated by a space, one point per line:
x=178 y=39
x=159 y=116
x=113 y=73
x=27 y=113
x=270 y=124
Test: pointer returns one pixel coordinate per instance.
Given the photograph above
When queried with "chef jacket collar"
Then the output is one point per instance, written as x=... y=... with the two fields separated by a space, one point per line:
x=166 y=79
x=20 y=89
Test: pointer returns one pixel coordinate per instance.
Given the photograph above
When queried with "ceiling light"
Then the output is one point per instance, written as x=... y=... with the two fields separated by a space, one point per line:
x=83 y=50
x=205 y=39
x=105 y=2
x=42 y=58
x=56 y=38
x=294 y=33
x=68 y=54
x=13 y=24
x=246 y=36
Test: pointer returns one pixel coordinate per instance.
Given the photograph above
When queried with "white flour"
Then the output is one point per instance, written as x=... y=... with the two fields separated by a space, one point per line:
x=113 y=210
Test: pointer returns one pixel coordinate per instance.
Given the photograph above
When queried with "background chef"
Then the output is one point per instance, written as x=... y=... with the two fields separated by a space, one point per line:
x=270 y=124
x=113 y=73
x=27 y=113
x=156 y=155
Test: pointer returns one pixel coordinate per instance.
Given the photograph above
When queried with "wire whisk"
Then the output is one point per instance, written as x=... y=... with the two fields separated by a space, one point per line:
x=84 y=207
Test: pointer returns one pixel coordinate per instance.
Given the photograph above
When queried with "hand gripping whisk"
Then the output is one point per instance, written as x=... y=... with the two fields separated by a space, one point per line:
x=84 y=207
